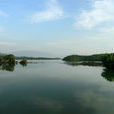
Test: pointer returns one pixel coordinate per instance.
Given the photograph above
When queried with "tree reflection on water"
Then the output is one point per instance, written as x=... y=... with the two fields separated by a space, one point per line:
x=7 y=67
x=108 y=75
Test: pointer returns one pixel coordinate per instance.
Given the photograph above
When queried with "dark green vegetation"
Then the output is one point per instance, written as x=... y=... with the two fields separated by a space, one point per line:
x=108 y=75
x=7 y=62
x=108 y=61
x=7 y=67
x=76 y=58
x=7 y=59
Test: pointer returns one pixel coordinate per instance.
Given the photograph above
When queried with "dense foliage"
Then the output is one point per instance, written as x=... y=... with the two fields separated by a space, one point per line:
x=7 y=67
x=108 y=61
x=108 y=75
x=10 y=59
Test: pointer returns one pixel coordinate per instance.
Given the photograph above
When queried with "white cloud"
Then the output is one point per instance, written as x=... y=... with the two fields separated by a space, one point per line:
x=102 y=11
x=53 y=11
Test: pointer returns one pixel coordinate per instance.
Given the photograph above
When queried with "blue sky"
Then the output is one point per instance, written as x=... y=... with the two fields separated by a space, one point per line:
x=56 y=27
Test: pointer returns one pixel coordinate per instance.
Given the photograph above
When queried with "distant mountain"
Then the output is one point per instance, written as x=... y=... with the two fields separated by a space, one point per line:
x=37 y=58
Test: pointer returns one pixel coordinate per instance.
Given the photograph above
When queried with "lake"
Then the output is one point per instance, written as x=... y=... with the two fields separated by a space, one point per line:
x=53 y=87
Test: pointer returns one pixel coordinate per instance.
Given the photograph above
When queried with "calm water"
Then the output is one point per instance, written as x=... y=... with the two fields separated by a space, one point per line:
x=52 y=87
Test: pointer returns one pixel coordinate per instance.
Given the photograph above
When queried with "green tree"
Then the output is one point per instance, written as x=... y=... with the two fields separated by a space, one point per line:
x=10 y=59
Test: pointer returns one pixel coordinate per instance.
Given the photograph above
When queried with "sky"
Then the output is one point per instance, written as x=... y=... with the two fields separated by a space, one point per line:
x=56 y=28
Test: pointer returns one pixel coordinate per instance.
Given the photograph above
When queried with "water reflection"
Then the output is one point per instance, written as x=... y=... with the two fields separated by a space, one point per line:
x=71 y=63
x=24 y=65
x=7 y=67
x=84 y=63
x=108 y=75
x=41 y=89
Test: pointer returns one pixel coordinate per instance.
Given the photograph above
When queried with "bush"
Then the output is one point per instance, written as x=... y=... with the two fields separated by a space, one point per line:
x=10 y=59
x=23 y=62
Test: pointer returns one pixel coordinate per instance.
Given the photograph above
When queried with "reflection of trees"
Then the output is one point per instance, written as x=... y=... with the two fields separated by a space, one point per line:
x=24 y=65
x=72 y=63
x=108 y=75
x=7 y=67
x=84 y=63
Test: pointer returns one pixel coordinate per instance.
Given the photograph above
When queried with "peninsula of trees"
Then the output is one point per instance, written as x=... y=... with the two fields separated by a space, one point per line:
x=77 y=58
x=107 y=60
